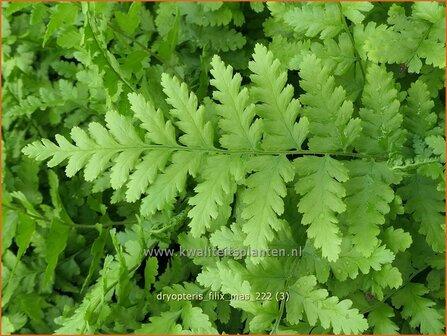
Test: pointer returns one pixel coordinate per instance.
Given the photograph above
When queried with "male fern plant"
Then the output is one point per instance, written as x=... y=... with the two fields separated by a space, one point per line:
x=309 y=127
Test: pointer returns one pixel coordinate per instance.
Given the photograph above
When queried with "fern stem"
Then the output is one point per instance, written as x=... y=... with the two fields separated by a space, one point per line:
x=283 y=302
x=104 y=54
x=371 y=308
x=351 y=38
x=230 y=152
x=280 y=314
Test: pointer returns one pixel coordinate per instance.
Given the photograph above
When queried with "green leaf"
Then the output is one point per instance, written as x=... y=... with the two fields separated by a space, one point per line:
x=410 y=39
x=330 y=115
x=221 y=174
x=190 y=118
x=239 y=129
x=420 y=310
x=97 y=252
x=354 y=10
x=146 y=171
x=150 y=272
x=351 y=261
x=163 y=324
x=397 y=240
x=25 y=229
x=320 y=185
x=276 y=105
x=130 y=21
x=312 y=19
x=162 y=193
x=381 y=126
x=64 y=13
x=169 y=42
x=195 y=320
x=229 y=279
x=369 y=193
x=261 y=213
x=387 y=276
x=426 y=204
x=437 y=144
x=339 y=56
x=317 y=305
x=380 y=320
x=418 y=116
x=56 y=242
x=158 y=131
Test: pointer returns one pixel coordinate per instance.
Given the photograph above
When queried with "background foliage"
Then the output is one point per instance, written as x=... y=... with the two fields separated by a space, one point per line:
x=318 y=125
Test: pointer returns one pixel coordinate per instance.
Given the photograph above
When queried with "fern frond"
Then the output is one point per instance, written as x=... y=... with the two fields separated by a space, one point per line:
x=312 y=19
x=380 y=319
x=171 y=182
x=159 y=166
x=317 y=305
x=229 y=278
x=352 y=261
x=98 y=298
x=381 y=118
x=166 y=323
x=320 y=186
x=221 y=39
x=158 y=131
x=205 y=15
x=418 y=116
x=228 y=237
x=397 y=240
x=420 y=311
x=190 y=117
x=368 y=194
x=289 y=53
x=426 y=204
x=221 y=174
x=261 y=213
x=410 y=39
x=196 y=320
x=387 y=277
x=329 y=113
x=278 y=108
x=94 y=151
x=285 y=160
x=354 y=10
x=146 y=170
x=338 y=55
x=240 y=130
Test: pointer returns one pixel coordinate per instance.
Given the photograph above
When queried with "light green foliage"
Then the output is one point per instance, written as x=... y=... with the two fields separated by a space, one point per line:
x=277 y=107
x=381 y=120
x=317 y=306
x=239 y=130
x=420 y=309
x=425 y=203
x=221 y=175
x=410 y=38
x=190 y=117
x=380 y=320
x=369 y=192
x=352 y=261
x=308 y=130
x=269 y=178
x=418 y=116
x=329 y=113
x=320 y=185
x=322 y=20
